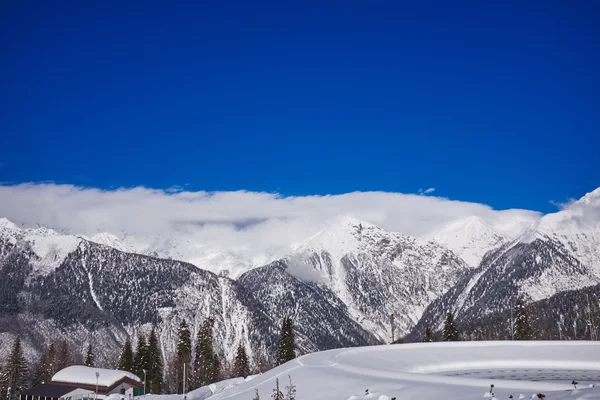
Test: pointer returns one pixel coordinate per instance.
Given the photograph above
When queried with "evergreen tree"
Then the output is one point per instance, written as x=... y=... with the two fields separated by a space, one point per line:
x=450 y=332
x=46 y=366
x=126 y=358
x=16 y=372
x=140 y=363
x=207 y=366
x=428 y=335
x=184 y=356
x=290 y=391
x=286 y=350
x=277 y=394
x=522 y=328
x=240 y=364
x=89 y=356
x=155 y=364
x=63 y=359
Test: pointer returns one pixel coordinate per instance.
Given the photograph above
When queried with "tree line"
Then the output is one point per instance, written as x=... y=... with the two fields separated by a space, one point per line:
x=193 y=367
x=16 y=375
x=522 y=328
x=201 y=365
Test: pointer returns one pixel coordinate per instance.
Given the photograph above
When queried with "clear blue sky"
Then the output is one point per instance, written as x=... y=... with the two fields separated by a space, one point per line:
x=485 y=102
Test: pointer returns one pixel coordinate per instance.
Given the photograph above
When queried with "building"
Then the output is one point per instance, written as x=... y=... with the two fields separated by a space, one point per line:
x=80 y=383
x=52 y=391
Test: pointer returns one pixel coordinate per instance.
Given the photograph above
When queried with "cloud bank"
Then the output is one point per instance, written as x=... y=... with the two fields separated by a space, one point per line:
x=241 y=219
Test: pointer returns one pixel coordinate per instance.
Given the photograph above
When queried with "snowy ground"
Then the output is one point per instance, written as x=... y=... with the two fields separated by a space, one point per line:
x=449 y=371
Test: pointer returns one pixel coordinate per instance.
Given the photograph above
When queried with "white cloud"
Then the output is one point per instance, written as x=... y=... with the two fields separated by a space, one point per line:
x=426 y=191
x=243 y=220
x=561 y=205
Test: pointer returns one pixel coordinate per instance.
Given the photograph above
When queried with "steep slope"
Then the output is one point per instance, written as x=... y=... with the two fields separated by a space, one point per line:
x=577 y=228
x=376 y=273
x=558 y=254
x=566 y=315
x=321 y=320
x=99 y=295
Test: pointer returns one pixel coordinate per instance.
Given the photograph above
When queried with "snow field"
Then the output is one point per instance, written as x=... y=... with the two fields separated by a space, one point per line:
x=415 y=371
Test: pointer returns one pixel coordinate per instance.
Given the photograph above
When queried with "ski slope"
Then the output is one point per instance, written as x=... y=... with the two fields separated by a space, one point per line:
x=428 y=371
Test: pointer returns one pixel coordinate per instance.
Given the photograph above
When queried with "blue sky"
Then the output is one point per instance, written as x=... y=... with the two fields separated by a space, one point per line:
x=489 y=103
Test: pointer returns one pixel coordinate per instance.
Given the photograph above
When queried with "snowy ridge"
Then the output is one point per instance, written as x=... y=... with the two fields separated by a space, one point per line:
x=470 y=238
x=110 y=240
x=560 y=253
x=376 y=273
x=50 y=247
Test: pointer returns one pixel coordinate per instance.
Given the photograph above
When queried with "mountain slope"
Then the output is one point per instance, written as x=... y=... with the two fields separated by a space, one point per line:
x=99 y=295
x=560 y=253
x=376 y=273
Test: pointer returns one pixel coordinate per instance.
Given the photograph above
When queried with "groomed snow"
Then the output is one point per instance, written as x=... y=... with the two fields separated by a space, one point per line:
x=416 y=371
x=87 y=375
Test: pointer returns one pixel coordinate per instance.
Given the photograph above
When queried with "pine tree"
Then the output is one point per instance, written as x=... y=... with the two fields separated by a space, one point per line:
x=428 y=335
x=290 y=390
x=240 y=364
x=184 y=355
x=207 y=366
x=63 y=359
x=277 y=395
x=155 y=364
x=450 y=332
x=126 y=358
x=140 y=363
x=89 y=356
x=16 y=372
x=286 y=350
x=46 y=366
x=522 y=328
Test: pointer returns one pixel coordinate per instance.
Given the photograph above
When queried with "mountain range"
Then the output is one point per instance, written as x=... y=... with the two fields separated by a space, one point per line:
x=341 y=286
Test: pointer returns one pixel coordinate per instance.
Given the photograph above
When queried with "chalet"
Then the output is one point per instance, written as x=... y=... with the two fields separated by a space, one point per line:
x=81 y=383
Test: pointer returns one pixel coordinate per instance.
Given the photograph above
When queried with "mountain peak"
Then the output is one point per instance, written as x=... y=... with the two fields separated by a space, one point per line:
x=110 y=240
x=345 y=235
x=351 y=224
x=5 y=223
x=592 y=198
x=470 y=238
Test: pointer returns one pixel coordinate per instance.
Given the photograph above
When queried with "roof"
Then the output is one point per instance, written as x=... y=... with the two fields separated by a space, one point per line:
x=49 y=390
x=80 y=374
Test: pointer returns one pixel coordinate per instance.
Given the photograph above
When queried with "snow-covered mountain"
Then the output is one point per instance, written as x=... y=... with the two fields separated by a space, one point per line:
x=228 y=261
x=341 y=285
x=52 y=247
x=577 y=228
x=469 y=238
x=99 y=295
x=559 y=253
x=376 y=273
x=49 y=247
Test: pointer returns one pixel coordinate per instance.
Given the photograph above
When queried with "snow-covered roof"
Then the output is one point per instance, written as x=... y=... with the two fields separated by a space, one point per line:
x=87 y=375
